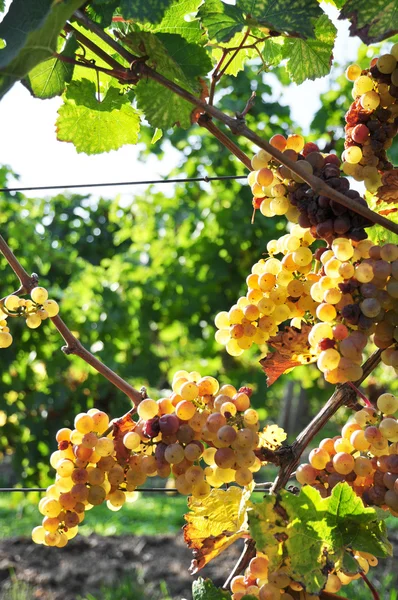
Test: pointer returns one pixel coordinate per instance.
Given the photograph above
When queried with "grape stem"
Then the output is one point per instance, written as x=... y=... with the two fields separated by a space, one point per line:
x=370 y=586
x=249 y=551
x=343 y=395
x=360 y=394
x=73 y=345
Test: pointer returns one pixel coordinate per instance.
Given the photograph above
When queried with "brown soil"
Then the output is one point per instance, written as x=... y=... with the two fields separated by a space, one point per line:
x=86 y=564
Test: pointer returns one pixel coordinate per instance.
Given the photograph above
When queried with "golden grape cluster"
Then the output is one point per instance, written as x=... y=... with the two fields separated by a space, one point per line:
x=33 y=310
x=279 y=191
x=371 y=119
x=348 y=293
x=365 y=456
x=202 y=435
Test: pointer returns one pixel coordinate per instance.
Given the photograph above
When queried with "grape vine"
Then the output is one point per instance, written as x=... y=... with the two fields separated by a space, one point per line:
x=325 y=292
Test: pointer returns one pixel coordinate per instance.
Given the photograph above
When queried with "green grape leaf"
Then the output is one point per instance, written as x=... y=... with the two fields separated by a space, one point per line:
x=234 y=64
x=371 y=21
x=314 y=533
x=337 y=3
x=94 y=126
x=49 y=78
x=377 y=233
x=179 y=61
x=172 y=56
x=249 y=597
x=221 y=20
x=2 y=5
x=162 y=108
x=272 y=52
x=174 y=21
x=149 y=10
x=157 y=135
x=32 y=38
x=23 y=17
x=282 y=15
x=204 y=589
x=311 y=58
x=192 y=59
x=102 y=12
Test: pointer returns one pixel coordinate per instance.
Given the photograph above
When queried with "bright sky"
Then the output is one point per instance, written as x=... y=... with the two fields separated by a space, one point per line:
x=30 y=147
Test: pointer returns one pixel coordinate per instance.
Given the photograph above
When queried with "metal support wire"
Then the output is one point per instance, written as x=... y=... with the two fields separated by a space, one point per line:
x=205 y=179
x=259 y=488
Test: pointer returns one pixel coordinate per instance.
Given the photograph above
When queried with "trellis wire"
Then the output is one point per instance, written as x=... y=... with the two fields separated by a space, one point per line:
x=259 y=488
x=206 y=179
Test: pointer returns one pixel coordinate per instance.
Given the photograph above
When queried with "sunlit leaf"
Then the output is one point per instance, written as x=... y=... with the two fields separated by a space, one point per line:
x=312 y=57
x=271 y=437
x=215 y=523
x=49 y=78
x=94 y=126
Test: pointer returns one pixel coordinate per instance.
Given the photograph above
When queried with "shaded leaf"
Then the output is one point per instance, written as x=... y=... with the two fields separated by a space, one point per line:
x=311 y=58
x=314 y=534
x=49 y=78
x=150 y=10
x=371 y=21
x=23 y=17
x=162 y=108
x=215 y=523
x=102 y=12
x=282 y=15
x=204 y=589
x=172 y=56
x=181 y=62
x=93 y=126
x=221 y=20
x=35 y=40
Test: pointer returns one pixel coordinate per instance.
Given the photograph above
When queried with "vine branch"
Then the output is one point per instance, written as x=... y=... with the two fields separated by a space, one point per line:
x=73 y=345
x=139 y=69
x=206 y=122
x=342 y=395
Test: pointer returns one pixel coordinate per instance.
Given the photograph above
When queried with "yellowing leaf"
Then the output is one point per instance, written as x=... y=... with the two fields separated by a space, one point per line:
x=215 y=523
x=272 y=437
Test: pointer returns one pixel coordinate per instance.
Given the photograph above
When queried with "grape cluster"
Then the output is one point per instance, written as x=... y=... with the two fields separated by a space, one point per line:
x=365 y=456
x=34 y=310
x=372 y=120
x=5 y=335
x=202 y=435
x=279 y=191
x=277 y=290
x=258 y=581
x=347 y=293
